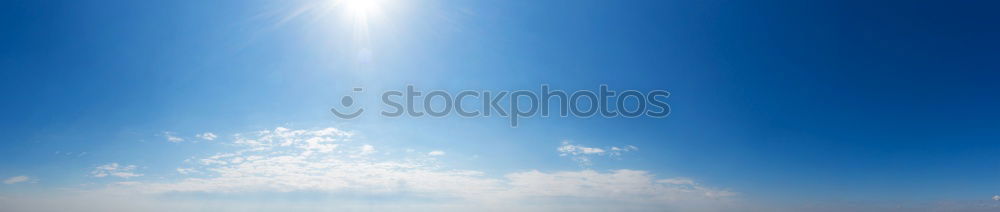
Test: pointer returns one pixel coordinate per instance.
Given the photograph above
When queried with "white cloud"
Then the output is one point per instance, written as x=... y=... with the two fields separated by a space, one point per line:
x=283 y=161
x=186 y=171
x=677 y=181
x=16 y=179
x=622 y=185
x=435 y=153
x=616 y=151
x=286 y=160
x=171 y=137
x=996 y=197
x=113 y=169
x=582 y=154
x=570 y=149
x=208 y=136
x=366 y=149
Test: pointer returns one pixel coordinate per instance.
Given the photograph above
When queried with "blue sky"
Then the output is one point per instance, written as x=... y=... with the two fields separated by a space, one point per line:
x=775 y=105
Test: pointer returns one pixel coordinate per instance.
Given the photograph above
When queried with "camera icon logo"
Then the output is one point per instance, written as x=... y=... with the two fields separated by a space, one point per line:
x=346 y=102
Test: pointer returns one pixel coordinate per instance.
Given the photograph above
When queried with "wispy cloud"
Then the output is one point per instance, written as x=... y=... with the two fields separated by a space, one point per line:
x=172 y=137
x=677 y=181
x=435 y=153
x=622 y=185
x=287 y=160
x=324 y=162
x=582 y=154
x=113 y=169
x=366 y=150
x=186 y=171
x=208 y=136
x=17 y=179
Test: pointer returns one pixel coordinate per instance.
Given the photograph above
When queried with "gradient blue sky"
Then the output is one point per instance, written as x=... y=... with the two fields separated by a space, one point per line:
x=788 y=104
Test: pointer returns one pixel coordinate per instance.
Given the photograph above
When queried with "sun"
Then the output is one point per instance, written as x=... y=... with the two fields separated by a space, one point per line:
x=360 y=7
x=361 y=13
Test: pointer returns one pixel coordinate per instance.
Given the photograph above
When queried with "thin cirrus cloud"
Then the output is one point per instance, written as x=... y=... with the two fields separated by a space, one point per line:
x=435 y=153
x=115 y=170
x=17 y=179
x=582 y=154
x=172 y=137
x=287 y=161
x=208 y=136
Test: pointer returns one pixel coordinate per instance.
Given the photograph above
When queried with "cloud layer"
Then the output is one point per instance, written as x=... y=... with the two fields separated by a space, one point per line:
x=16 y=180
x=327 y=161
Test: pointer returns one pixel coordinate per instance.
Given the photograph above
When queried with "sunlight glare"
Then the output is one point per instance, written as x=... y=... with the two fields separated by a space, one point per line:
x=361 y=7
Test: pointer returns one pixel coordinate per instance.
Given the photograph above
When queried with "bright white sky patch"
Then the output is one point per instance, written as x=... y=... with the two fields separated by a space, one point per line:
x=367 y=149
x=355 y=15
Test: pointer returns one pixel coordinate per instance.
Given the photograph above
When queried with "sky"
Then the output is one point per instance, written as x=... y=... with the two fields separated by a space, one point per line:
x=189 y=105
